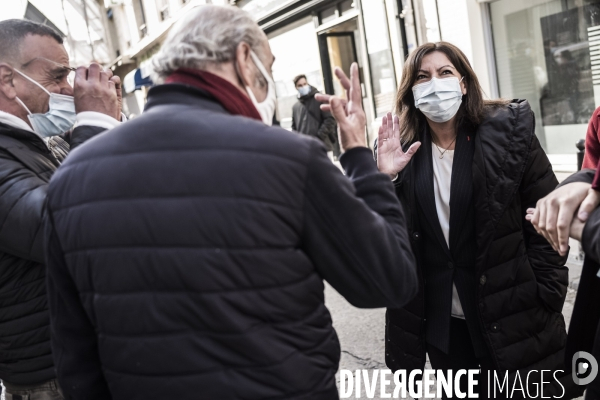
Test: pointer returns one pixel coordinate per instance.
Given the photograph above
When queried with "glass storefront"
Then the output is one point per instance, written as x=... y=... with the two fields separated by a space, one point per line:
x=380 y=56
x=297 y=52
x=547 y=52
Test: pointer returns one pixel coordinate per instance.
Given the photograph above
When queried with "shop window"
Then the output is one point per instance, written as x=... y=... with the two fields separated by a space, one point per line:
x=546 y=53
x=380 y=56
x=297 y=51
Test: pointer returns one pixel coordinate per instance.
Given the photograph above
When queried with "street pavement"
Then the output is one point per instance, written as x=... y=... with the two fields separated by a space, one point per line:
x=361 y=332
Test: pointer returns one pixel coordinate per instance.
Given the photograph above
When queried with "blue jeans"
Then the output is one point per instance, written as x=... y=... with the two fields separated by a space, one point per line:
x=43 y=391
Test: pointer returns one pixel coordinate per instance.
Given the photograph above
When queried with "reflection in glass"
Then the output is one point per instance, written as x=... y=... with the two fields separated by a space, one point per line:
x=380 y=56
x=543 y=55
x=297 y=52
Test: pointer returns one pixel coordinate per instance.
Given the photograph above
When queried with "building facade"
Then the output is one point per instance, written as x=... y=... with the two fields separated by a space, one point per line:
x=313 y=37
x=137 y=29
x=546 y=51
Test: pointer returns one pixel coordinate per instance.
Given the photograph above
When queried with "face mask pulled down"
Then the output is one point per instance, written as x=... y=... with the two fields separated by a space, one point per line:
x=59 y=119
x=438 y=99
x=266 y=108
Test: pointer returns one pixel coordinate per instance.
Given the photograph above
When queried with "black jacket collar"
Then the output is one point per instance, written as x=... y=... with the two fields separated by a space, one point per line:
x=22 y=135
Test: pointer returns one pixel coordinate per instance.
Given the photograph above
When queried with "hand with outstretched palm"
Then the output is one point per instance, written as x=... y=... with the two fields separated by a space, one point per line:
x=348 y=113
x=391 y=159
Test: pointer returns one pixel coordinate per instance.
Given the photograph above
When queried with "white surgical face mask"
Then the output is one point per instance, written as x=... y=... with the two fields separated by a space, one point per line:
x=59 y=119
x=266 y=109
x=304 y=90
x=438 y=99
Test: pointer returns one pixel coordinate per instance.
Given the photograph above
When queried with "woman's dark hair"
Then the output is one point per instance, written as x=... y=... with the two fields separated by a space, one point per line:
x=471 y=110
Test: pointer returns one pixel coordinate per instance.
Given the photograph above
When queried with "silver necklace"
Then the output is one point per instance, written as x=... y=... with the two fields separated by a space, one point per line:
x=442 y=153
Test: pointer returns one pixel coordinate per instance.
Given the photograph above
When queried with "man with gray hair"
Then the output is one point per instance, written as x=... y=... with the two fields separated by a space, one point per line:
x=187 y=248
x=38 y=110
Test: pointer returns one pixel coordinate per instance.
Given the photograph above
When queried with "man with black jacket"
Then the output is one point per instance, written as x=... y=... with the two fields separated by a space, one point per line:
x=309 y=119
x=187 y=248
x=37 y=104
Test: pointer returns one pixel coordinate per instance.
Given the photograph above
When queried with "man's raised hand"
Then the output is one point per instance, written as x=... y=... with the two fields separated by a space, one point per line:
x=349 y=113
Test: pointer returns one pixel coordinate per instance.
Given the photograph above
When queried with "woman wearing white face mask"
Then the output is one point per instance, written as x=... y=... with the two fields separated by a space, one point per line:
x=465 y=170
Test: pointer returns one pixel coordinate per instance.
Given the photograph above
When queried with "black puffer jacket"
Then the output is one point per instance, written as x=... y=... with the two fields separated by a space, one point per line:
x=521 y=282
x=26 y=165
x=188 y=249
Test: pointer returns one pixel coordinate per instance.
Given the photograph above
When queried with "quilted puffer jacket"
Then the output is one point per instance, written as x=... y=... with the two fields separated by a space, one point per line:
x=187 y=251
x=26 y=165
x=520 y=281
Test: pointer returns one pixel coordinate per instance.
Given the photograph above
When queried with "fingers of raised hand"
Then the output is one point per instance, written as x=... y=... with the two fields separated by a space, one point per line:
x=103 y=77
x=117 y=80
x=323 y=98
x=344 y=81
x=356 y=90
x=94 y=72
x=390 y=124
x=413 y=149
x=337 y=109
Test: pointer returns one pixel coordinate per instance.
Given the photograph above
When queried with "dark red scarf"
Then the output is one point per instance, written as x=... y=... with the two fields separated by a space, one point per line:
x=226 y=94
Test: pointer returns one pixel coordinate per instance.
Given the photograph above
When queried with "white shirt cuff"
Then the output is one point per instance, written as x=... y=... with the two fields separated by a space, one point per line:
x=395 y=178
x=92 y=118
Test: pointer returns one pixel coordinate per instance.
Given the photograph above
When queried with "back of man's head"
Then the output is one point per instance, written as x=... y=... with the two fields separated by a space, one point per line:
x=12 y=33
x=206 y=37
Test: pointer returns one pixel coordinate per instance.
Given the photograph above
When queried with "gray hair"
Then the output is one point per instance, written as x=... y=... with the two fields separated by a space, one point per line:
x=208 y=35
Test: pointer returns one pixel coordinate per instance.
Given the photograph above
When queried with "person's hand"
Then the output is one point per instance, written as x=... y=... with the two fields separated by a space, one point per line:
x=553 y=215
x=349 y=114
x=576 y=229
x=390 y=157
x=95 y=90
x=117 y=82
x=591 y=202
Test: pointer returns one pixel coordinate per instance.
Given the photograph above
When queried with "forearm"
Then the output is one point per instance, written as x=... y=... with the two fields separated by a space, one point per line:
x=370 y=261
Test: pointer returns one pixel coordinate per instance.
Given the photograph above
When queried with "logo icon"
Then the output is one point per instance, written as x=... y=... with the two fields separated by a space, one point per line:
x=584 y=367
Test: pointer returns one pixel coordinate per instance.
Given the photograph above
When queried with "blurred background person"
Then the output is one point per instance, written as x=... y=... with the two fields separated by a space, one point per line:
x=465 y=170
x=194 y=266
x=37 y=106
x=309 y=119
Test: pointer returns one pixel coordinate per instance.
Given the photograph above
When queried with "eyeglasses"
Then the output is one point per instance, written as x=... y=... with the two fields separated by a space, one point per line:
x=64 y=70
x=50 y=61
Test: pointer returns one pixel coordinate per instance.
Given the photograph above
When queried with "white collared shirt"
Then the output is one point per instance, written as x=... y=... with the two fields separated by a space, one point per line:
x=442 y=178
x=85 y=118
